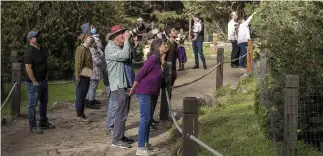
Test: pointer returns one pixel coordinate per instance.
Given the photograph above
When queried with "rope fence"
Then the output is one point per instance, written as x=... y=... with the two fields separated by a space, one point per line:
x=9 y=95
x=237 y=58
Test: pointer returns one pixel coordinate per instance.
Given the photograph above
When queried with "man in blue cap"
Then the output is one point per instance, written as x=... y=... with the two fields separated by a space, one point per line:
x=35 y=59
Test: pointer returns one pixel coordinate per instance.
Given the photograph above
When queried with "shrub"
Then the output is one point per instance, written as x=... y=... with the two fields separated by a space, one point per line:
x=290 y=35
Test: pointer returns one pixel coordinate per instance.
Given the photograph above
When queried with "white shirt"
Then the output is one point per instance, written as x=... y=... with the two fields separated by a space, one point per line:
x=197 y=27
x=232 y=30
x=244 y=32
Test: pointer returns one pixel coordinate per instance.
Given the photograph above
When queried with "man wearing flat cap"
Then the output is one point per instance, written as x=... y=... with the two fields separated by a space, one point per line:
x=35 y=59
x=117 y=52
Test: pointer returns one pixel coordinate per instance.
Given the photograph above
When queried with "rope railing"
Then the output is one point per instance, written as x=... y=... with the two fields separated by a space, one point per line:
x=189 y=135
x=13 y=87
x=185 y=84
x=177 y=125
x=237 y=58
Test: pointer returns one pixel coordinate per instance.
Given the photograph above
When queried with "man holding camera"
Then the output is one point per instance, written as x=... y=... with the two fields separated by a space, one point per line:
x=116 y=53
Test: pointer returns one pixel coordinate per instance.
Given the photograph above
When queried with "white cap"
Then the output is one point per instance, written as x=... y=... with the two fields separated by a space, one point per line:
x=140 y=19
x=233 y=13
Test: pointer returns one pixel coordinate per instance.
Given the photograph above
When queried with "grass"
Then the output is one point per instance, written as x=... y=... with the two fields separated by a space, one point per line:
x=233 y=129
x=56 y=93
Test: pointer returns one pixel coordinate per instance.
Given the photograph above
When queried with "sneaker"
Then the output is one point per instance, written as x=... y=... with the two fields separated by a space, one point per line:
x=144 y=152
x=153 y=128
x=196 y=67
x=234 y=66
x=128 y=140
x=150 y=147
x=120 y=144
x=110 y=132
x=36 y=130
x=82 y=119
x=46 y=125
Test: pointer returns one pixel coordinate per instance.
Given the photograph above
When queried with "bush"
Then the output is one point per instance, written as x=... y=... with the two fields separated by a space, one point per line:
x=290 y=35
x=60 y=24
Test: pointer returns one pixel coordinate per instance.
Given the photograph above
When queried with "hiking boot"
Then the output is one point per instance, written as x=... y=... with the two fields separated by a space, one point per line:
x=36 y=130
x=144 y=152
x=128 y=140
x=46 y=125
x=97 y=102
x=110 y=132
x=204 y=67
x=153 y=127
x=120 y=144
x=196 y=67
x=82 y=119
x=154 y=121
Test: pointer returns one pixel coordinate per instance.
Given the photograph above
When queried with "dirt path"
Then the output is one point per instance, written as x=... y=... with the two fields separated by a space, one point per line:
x=72 y=139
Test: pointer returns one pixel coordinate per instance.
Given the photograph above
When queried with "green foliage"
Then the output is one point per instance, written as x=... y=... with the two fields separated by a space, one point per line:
x=290 y=35
x=60 y=24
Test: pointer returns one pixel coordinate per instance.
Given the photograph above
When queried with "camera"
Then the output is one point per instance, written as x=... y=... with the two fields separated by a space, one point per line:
x=141 y=28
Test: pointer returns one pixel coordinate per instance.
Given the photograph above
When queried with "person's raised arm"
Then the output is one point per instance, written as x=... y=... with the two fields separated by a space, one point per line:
x=247 y=22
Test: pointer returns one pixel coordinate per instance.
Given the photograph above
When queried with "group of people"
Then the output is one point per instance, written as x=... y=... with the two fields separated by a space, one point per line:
x=238 y=35
x=113 y=64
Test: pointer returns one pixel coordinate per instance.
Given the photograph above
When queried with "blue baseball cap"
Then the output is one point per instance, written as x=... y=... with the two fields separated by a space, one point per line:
x=31 y=34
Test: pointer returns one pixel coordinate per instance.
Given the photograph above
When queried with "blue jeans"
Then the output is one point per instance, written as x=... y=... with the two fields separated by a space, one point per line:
x=198 y=50
x=92 y=90
x=243 y=51
x=130 y=74
x=111 y=113
x=81 y=90
x=145 y=112
x=36 y=93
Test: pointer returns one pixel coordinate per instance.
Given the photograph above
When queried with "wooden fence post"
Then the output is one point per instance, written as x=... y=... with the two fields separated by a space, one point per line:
x=190 y=126
x=249 y=56
x=219 y=70
x=291 y=114
x=15 y=97
x=214 y=38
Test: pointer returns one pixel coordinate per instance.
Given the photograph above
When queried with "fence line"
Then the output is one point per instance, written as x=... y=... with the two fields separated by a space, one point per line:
x=13 y=87
x=237 y=58
x=187 y=83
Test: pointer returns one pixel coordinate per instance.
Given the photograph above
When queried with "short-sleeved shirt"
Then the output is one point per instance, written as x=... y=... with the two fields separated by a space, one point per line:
x=38 y=59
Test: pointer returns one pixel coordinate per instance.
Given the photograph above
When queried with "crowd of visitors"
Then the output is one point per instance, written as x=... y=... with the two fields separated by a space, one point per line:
x=114 y=65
